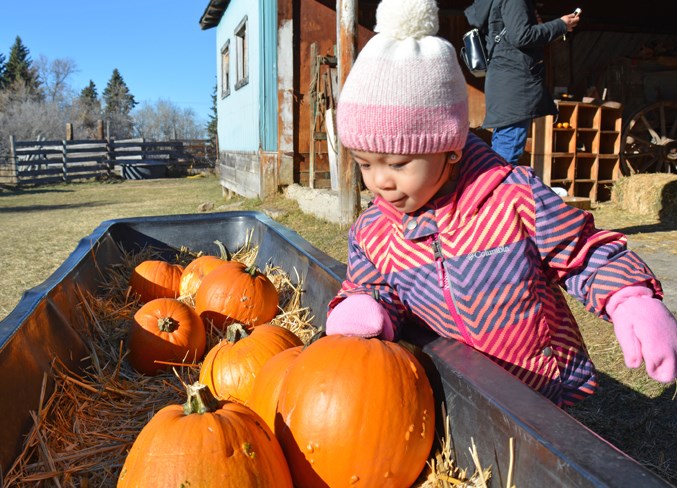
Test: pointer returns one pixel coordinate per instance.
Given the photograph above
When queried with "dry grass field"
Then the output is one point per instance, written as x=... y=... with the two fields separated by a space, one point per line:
x=41 y=226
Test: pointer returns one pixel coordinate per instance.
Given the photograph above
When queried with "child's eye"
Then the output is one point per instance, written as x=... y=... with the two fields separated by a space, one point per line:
x=398 y=166
x=362 y=166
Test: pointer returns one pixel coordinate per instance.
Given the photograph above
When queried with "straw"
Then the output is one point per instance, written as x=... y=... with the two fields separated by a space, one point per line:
x=82 y=432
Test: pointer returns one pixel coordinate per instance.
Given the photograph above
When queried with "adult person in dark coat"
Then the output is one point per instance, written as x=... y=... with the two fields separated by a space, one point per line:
x=515 y=88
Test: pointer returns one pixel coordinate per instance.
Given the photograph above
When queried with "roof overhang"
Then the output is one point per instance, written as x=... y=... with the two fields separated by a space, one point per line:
x=213 y=13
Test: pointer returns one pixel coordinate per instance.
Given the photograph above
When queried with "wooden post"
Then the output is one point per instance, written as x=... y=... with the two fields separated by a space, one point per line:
x=14 y=170
x=348 y=182
x=64 y=159
x=313 y=114
x=287 y=117
x=110 y=155
x=69 y=131
x=99 y=129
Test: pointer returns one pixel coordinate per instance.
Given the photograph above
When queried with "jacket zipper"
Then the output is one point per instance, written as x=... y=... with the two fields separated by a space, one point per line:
x=445 y=285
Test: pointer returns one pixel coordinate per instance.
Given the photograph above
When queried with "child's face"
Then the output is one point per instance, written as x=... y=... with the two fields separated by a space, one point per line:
x=407 y=182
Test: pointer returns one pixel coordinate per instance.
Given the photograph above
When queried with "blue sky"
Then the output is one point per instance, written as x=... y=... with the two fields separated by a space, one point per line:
x=157 y=45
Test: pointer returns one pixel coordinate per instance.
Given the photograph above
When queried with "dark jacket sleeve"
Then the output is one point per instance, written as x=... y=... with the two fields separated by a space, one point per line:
x=522 y=29
x=478 y=14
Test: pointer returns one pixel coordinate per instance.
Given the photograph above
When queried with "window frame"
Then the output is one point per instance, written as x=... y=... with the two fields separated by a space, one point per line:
x=241 y=53
x=225 y=69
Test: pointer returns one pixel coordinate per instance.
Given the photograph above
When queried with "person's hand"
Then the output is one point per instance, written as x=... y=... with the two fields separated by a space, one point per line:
x=362 y=316
x=645 y=329
x=571 y=21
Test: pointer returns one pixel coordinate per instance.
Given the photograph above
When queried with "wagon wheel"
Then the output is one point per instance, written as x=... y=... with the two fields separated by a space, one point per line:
x=649 y=140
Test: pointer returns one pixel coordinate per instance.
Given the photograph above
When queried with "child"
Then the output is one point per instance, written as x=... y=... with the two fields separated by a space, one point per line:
x=467 y=245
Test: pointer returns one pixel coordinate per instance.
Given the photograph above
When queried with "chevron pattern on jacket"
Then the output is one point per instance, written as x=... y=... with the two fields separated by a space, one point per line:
x=509 y=247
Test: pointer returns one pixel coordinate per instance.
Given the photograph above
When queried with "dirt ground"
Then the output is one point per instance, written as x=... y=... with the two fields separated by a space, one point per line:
x=655 y=241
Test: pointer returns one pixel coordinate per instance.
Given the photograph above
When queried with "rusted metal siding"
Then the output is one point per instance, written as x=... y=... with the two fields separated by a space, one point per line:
x=315 y=22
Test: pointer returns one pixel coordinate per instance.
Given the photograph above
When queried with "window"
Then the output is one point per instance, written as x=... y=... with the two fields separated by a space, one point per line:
x=241 y=55
x=225 y=70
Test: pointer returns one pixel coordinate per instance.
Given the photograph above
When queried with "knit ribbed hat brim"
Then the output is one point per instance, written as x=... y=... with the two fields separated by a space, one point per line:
x=404 y=96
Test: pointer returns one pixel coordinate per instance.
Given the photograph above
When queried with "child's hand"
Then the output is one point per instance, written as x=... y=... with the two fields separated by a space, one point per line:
x=645 y=329
x=362 y=316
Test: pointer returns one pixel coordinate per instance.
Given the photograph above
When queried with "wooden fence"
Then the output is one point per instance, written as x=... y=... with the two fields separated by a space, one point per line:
x=41 y=162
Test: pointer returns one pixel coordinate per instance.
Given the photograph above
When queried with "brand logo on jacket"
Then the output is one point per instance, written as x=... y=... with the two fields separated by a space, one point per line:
x=489 y=252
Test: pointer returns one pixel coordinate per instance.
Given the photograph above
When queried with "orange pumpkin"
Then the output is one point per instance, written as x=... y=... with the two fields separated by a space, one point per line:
x=155 y=279
x=168 y=330
x=234 y=292
x=355 y=410
x=195 y=272
x=268 y=384
x=230 y=368
x=199 y=444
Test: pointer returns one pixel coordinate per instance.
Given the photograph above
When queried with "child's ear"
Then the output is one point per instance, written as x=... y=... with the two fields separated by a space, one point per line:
x=454 y=156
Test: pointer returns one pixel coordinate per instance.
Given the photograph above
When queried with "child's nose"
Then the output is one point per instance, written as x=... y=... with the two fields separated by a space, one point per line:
x=383 y=180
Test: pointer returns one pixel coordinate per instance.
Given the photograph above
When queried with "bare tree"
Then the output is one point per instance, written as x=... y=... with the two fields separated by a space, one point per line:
x=54 y=75
x=162 y=121
x=29 y=119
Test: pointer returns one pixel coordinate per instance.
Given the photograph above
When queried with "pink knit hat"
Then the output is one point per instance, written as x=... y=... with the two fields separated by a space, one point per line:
x=406 y=93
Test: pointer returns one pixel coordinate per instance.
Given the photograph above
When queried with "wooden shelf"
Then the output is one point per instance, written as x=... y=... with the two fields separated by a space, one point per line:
x=583 y=158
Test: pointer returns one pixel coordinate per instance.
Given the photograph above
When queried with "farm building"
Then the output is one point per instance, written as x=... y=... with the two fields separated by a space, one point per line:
x=277 y=61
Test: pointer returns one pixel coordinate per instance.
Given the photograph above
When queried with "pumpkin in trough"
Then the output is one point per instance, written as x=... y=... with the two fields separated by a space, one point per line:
x=237 y=293
x=198 y=268
x=155 y=278
x=202 y=444
x=165 y=330
x=355 y=411
x=268 y=384
x=231 y=366
x=195 y=271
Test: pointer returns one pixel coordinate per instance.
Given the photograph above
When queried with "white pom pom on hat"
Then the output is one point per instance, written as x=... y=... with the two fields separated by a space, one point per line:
x=406 y=92
x=400 y=19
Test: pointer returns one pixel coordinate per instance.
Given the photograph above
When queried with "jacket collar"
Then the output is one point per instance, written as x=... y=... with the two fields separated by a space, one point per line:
x=481 y=171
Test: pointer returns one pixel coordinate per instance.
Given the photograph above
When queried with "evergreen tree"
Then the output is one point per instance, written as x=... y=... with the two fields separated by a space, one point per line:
x=89 y=95
x=118 y=105
x=88 y=109
x=19 y=69
x=212 y=125
x=116 y=96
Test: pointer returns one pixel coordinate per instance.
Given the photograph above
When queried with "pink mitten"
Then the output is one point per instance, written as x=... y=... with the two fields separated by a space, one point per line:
x=362 y=316
x=645 y=329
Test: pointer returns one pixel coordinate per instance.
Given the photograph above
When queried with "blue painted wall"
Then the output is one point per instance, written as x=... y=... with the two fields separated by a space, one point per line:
x=238 y=113
x=247 y=117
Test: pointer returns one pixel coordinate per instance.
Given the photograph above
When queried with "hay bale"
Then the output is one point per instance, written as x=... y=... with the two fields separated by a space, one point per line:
x=650 y=194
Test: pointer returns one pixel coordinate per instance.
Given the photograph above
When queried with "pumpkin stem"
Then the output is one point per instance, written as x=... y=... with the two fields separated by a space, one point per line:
x=200 y=399
x=225 y=254
x=233 y=330
x=252 y=270
x=167 y=324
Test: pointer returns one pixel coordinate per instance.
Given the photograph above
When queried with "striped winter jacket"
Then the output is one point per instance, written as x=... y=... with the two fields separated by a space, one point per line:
x=487 y=265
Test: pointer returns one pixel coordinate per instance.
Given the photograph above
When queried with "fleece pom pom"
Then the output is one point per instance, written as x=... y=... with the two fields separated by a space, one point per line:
x=400 y=19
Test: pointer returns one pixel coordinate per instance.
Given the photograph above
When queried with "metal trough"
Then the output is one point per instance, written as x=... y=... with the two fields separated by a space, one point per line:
x=485 y=404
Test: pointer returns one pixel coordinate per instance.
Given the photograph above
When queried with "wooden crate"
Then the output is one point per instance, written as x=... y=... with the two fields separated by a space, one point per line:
x=579 y=149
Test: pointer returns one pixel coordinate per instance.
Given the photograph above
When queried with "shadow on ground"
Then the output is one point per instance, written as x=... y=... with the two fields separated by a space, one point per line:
x=649 y=228
x=47 y=208
x=637 y=425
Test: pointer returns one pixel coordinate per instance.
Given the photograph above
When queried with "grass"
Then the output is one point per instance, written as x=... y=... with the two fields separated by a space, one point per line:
x=42 y=225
